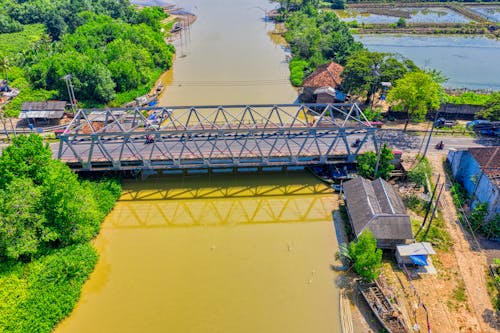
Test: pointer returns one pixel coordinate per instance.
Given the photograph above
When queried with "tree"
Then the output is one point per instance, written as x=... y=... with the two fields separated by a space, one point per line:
x=492 y=108
x=338 y=4
x=26 y=157
x=416 y=93
x=367 y=163
x=366 y=257
x=23 y=229
x=365 y=70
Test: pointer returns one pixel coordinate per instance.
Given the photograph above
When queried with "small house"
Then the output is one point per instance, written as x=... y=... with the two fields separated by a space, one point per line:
x=416 y=255
x=377 y=207
x=323 y=85
x=478 y=170
x=48 y=111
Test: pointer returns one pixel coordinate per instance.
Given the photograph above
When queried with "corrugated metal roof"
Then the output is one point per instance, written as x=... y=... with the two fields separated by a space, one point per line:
x=377 y=206
x=44 y=106
x=423 y=248
x=41 y=114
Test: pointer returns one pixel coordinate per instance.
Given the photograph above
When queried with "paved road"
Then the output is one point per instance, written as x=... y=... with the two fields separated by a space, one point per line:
x=273 y=146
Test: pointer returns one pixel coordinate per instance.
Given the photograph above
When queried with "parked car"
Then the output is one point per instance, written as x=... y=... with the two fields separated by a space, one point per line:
x=442 y=122
x=478 y=123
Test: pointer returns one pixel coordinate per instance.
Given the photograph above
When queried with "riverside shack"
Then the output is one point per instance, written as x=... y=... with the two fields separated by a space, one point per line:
x=376 y=206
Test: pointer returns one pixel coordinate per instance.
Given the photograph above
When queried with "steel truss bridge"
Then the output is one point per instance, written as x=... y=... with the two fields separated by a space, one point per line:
x=215 y=137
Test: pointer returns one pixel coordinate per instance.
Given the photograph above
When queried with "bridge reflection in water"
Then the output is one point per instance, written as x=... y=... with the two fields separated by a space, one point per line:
x=185 y=203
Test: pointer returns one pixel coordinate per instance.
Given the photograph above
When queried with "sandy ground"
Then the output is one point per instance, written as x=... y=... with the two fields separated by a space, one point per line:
x=456 y=298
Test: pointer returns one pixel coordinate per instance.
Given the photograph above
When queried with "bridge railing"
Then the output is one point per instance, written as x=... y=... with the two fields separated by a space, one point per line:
x=212 y=136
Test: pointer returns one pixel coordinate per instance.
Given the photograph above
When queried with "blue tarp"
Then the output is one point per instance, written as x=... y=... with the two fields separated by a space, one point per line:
x=420 y=260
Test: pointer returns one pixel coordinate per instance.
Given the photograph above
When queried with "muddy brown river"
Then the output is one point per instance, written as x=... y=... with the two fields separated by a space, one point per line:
x=241 y=252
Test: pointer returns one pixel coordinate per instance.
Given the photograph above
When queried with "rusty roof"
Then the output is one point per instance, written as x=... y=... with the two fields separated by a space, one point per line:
x=488 y=159
x=327 y=75
x=44 y=106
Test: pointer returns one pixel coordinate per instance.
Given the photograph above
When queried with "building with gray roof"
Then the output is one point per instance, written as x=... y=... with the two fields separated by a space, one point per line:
x=376 y=206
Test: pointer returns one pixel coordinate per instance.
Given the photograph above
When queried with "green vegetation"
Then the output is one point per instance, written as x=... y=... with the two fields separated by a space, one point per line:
x=492 y=107
x=13 y=43
x=468 y=97
x=113 y=51
x=416 y=93
x=366 y=257
x=47 y=217
x=365 y=70
x=420 y=173
x=297 y=69
x=35 y=296
x=493 y=284
x=373 y=114
x=417 y=205
x=367 y=163
x=316 y=37
x=436 y=234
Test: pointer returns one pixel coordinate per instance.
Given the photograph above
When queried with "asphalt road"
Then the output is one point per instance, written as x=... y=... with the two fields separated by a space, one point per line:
x=272 y=146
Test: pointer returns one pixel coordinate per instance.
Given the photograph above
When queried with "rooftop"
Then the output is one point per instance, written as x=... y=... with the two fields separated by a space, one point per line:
x=47 y=110
x=327 y=75
x=375 y=205
x=415 y=249
x=488 y=159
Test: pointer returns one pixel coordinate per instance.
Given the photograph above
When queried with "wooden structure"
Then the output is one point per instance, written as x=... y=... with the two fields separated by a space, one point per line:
x=389 y=317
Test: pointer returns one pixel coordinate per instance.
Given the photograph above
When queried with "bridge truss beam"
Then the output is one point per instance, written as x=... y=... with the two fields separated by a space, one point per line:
x=215 y=136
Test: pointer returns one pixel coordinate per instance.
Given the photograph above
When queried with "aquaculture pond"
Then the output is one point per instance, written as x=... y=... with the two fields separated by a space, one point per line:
x=469 y=62
x=491 y=13
x=410 y=14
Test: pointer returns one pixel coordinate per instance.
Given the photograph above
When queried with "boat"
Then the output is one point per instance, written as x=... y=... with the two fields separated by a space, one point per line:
x=332 y=174
x=389 y=317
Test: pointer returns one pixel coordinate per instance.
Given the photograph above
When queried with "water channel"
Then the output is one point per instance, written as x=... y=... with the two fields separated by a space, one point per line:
x=241 y=252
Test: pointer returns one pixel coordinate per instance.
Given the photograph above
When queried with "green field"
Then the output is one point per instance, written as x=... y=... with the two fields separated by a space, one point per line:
x=13 y=43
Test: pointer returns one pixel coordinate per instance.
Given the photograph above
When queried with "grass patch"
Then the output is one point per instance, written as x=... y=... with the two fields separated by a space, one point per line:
x=416 y=204
x=35 y=296
x=455 y=129
x=13 y=43
x=459 y=292
x=437 y=234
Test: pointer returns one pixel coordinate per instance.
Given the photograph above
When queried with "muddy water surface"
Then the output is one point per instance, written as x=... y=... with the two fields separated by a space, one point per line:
x=227 y=57
x=220 y=253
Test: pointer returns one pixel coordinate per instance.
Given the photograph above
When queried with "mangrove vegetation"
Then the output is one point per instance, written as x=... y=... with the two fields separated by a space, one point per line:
x=47 y=217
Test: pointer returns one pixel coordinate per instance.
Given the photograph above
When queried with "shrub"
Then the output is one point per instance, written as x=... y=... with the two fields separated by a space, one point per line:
x=365 y=256
x=420 y=172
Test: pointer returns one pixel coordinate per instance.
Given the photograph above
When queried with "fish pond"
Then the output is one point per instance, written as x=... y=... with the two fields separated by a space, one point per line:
x=467 y=62
x=410 y=14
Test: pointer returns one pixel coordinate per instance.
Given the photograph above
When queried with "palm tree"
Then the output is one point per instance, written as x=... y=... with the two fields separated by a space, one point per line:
x=4 y=65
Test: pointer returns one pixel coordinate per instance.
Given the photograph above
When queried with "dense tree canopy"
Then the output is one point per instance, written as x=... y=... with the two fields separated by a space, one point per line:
x=43 y=203
x=416 y=93
x=113 y=51
x=315 y=39
x=365 y=70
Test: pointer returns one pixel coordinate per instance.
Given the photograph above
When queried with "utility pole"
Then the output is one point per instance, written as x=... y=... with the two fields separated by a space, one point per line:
x=71 y=92
x=430 y=135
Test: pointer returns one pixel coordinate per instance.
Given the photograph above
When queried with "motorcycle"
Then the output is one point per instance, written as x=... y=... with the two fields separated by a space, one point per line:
x=356 y=143
x=440 y=145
